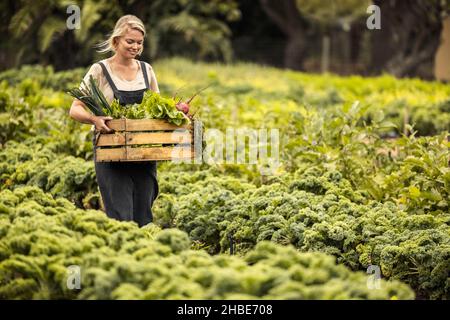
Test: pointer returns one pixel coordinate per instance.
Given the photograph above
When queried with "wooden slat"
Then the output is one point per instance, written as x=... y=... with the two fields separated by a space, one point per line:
x=198 y=139
x=143 y=125
x=125 y=137
x=113 y=154
x=116 y=124
x=159 y=153
x=114 y=139
x=151 y=124
x=158 y=137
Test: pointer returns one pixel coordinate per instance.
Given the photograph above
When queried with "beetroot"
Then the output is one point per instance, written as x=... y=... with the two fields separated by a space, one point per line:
x=183 y=107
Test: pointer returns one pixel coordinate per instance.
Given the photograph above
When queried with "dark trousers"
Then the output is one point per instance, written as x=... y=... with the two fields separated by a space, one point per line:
x=128 y=189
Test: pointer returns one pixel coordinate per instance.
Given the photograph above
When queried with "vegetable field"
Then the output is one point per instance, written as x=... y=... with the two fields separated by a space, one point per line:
x=364 y=184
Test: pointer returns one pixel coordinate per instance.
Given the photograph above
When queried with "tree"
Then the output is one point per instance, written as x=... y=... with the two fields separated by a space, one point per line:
x=412 y=31
x=40 y=30
x=40 y=34
x=9 y=50
x=196 y=26
x=285 y=15
x=331 y=13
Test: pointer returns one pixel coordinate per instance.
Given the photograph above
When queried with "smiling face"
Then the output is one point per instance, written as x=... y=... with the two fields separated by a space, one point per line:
x=130 y=44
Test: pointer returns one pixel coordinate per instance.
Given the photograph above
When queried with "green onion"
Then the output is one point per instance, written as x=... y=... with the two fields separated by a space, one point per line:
x=92 y=97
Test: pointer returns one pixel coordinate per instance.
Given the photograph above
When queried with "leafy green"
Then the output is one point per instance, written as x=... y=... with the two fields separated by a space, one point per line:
x=92 y=97
x=43 y=239
x=153 y=106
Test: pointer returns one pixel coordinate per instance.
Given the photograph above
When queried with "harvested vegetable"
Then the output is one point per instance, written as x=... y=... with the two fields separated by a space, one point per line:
x=153 y=105
x=156 y=106
x=92 y=97
x=185 y=106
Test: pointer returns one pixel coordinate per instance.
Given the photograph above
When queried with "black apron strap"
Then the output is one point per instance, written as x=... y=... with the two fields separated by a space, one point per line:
x=144 y=72
x=108 y=77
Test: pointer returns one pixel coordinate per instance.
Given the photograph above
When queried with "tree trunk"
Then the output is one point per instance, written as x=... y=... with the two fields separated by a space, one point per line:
x=326 y=53
x=285 y=15
x=294 y=52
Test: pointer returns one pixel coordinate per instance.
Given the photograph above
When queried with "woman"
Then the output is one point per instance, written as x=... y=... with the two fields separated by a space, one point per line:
x=128 y=189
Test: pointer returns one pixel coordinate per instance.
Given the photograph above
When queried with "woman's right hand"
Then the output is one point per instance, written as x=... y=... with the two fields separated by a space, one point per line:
x=100 y=125
x=79 y=113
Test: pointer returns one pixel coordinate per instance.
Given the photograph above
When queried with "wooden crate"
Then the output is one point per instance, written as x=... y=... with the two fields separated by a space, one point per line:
x=173 y=142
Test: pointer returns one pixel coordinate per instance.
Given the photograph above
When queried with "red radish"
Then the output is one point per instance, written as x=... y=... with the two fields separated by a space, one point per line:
x=184 y=106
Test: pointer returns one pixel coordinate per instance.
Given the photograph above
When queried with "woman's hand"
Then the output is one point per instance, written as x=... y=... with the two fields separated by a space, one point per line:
x=79 y=113
x=100 y=125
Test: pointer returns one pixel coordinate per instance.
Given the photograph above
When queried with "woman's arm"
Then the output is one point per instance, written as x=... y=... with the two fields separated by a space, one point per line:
x=78 y=112
x=153 y=81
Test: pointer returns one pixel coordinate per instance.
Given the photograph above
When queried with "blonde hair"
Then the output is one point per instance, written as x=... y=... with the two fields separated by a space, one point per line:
x=122 y=26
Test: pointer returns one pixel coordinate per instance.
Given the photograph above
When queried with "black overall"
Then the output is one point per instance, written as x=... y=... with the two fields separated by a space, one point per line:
x=128 y=189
